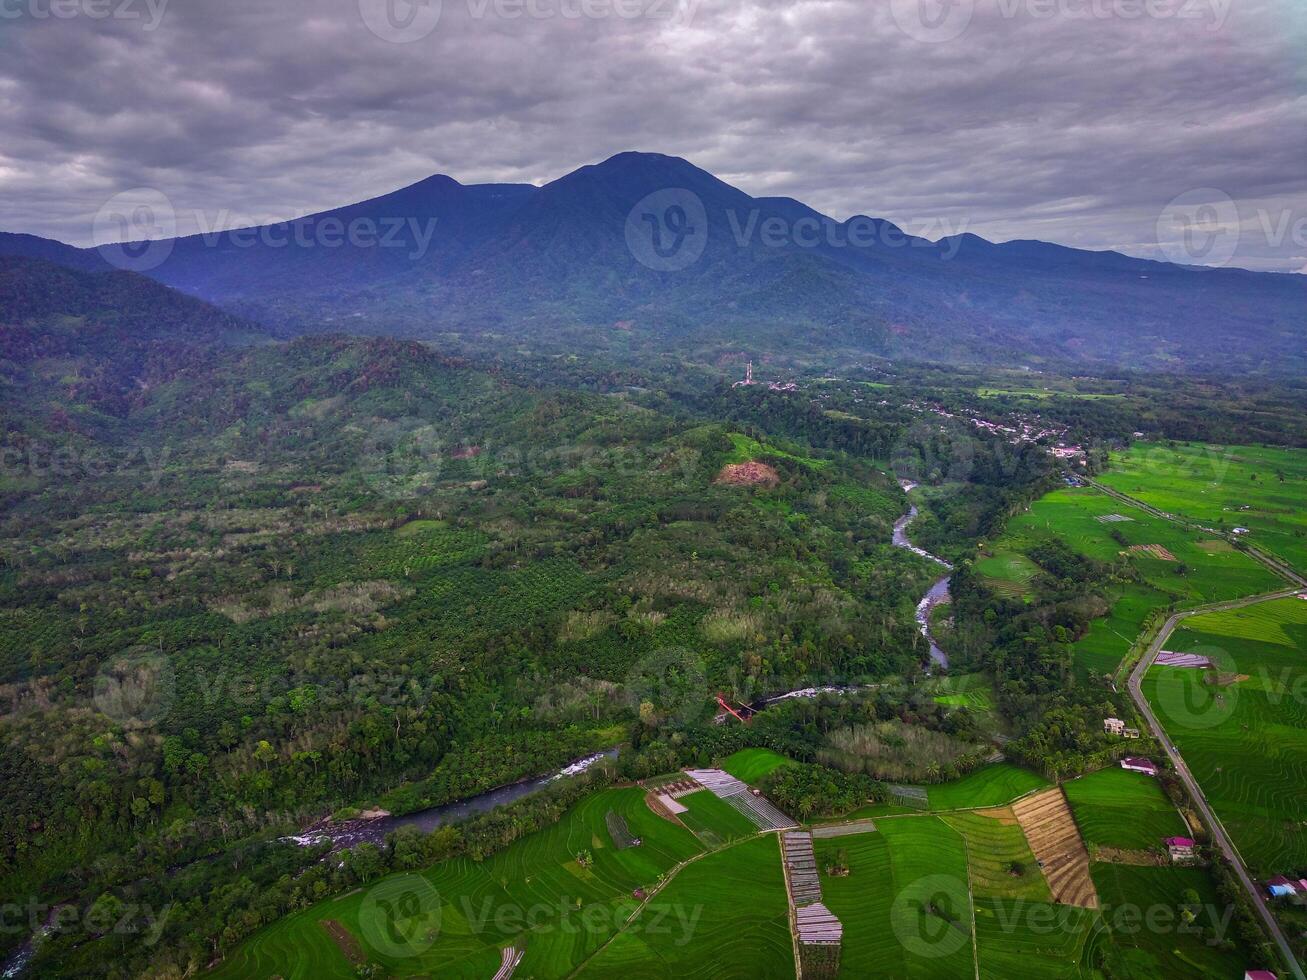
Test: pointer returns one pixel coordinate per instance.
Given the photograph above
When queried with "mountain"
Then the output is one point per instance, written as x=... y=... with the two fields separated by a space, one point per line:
x=86 y=347
x=678 y=259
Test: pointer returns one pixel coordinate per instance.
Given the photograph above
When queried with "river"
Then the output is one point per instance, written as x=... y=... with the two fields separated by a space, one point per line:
x=938 y=591
x=347 y=833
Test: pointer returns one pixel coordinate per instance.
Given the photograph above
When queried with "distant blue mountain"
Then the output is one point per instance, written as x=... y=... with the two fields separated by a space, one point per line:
x=701 y=262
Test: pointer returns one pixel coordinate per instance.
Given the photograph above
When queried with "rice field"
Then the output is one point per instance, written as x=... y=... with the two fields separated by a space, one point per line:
x=904 y=905
x=992 y=785
x=1245 y=740
x=1117 y=808
x=753 y=765
x=1215 y=486
x=998 y=856
x=1166 y=947
x=725 y=915
x=1006 y=572
x=535 y=894
x=713 y=820
x=1176 y=564
x=1033 y=940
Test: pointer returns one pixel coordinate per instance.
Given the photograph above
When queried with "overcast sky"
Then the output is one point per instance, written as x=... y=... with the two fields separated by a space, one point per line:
x=1096 y=123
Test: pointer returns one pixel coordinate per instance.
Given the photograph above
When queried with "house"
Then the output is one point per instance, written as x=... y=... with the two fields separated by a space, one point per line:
x=1282 y=887
x=1181 y=849
x=1113 y=726
x=1136 y=764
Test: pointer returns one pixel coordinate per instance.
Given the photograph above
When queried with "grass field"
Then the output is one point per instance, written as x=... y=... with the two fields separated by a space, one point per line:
x=1033 y=939
x=484 y=906
x=992 y=785
x=713 y=820
x=974 y=691
x=753 y=765
x=1166 y=948
x=1247 y=750
x=1116 y=808
x=725 y=915
x=1213 y=485
x=904 y=904
x=994 y=844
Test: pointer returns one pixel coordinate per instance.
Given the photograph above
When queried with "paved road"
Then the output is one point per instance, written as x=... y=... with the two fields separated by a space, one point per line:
x=1136 y=678
x=1217 y=828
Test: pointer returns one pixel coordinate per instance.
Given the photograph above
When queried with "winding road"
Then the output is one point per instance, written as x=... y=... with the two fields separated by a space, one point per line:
x=1213 y=822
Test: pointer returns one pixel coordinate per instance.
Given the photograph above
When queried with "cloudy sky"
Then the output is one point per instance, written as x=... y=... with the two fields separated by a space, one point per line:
x=1096 y=123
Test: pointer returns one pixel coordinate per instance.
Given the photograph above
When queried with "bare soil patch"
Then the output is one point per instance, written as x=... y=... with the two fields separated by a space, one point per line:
x=345 y=941
x=748 y=474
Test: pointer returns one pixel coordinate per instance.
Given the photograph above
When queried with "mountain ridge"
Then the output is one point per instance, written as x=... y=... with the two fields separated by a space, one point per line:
x=677 y=254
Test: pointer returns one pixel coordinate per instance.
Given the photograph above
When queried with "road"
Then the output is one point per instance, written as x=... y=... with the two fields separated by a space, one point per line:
x=1219 y=834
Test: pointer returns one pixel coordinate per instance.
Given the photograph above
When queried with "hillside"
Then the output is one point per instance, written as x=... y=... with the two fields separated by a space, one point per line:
x=565 y=264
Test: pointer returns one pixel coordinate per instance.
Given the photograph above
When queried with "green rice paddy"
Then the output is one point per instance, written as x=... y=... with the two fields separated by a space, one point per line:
x=1245 y=741
x=725 y=915
x=1128 y=810
x=753 y=765
x=535 y=892
x=1215 y=486
x=713 y=820
x=1165 y=946
x=995 y=844
x=1033 y=940
x=993 y=785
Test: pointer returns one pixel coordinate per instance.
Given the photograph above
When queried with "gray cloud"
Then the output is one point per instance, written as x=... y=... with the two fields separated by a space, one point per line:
x=1074 y=121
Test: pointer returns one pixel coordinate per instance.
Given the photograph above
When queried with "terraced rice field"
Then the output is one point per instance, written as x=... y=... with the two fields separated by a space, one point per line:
x=904 y=905
x=754 y=765
x=1213 y=484
x=1247 y=749
x=1007 y=572
x=713 y=820
x=1117 y=808
x=1167 y=949
x=992 y=785
x=469 y=910
x=1055 y=841
x=995 y=843
x=1033 y=940
x=725 y=915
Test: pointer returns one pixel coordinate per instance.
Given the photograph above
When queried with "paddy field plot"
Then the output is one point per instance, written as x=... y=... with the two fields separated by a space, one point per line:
x=535 y=892
x=998 y=856
x=754 y=765
x=1117 y=808
x=992 y=785
x=1006 y=572
x=904 y=905
x=724 y=915
x=713 y=820
x=1215 y=486
x=1166 y=946
x=1033 y=940
x=1242 y=726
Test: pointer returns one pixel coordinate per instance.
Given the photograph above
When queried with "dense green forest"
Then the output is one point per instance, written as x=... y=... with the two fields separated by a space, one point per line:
x=248 y=583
